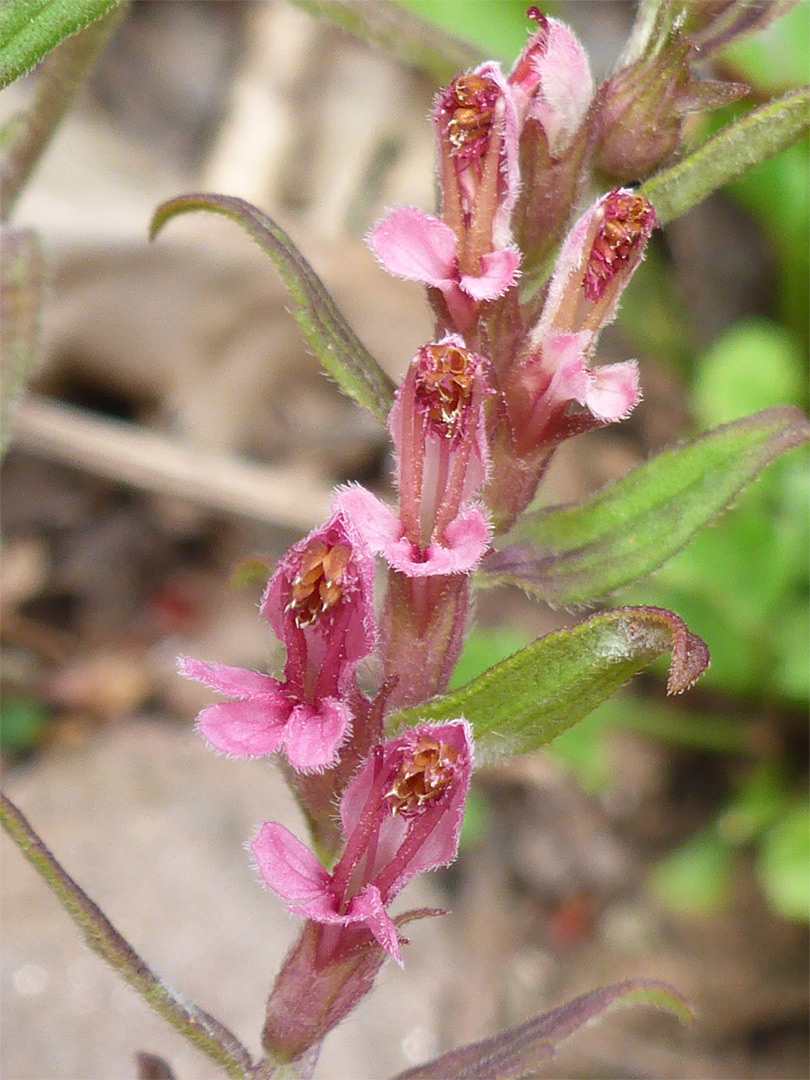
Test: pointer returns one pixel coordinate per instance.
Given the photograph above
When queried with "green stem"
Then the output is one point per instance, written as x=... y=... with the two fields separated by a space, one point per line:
x=59 y=79
x=200 y=1029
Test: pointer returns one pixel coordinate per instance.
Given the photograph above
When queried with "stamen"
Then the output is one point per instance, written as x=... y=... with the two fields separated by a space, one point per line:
x=318 y=586
x=423 y=776
x=444 y=384
x=628 y=220
x=470 y=103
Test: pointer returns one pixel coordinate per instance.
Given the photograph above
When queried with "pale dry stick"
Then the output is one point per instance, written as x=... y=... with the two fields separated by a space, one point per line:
x=122 y=452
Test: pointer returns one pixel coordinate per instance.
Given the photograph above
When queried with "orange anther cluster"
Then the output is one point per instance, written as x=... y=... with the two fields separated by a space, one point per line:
x=627 y=222
x=471 y=103
x=422 y=776
x=444 y=385
x=317 y=585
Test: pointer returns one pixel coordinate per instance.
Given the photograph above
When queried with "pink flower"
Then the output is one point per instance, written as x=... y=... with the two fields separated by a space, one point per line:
x=551 y=82
x=476 y=128
x=438 y=429
x=319 y=603
x=419 y=247
x=558 y=374
x=597 y=260
x=401 y=815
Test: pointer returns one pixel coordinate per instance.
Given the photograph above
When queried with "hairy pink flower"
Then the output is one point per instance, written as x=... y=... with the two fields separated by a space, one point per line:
x=437 y=426
x=599 y=256
x=551 y=82
x=476 y=128
x=401 y=815
x=319 y=603
x=419 y=247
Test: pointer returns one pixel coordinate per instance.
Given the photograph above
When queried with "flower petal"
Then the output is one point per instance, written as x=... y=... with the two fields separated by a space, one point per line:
x=466 y=539
x=249 y=729
x=499 y=271
x=374 y=520
x=234 y=681
x=369 y=909
x=614 y=391
x=564 y=355
x=287 y=866
x=315 y=733
x=414 y=245
x=565 y=86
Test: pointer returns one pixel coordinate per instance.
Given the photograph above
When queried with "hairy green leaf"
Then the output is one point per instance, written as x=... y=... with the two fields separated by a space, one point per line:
x=31 y=28
x=518 y=1051
x=536 y=694
x=724 y=157
x=331 y=338
x=571 y=554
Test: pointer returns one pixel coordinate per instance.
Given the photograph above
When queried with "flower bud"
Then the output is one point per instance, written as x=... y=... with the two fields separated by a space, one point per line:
x=643 y=108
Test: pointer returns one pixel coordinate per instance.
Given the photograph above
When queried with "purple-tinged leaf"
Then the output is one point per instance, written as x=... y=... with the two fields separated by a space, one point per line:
x=518 y=1051
x=572 y=554
x=331 y=338
x=713 y=27
x=533 y=696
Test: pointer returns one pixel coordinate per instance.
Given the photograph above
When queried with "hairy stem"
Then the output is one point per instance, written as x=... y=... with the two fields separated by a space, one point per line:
x=202 y=1030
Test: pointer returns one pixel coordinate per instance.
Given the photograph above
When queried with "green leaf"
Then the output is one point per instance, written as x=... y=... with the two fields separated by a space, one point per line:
x=782 y=863
x=753 y=362
x=518 y=1051
x=331 y=338
x=31 y=28
x=758 y=135
x=571 y=554
x=696 y=878
x=531 y=697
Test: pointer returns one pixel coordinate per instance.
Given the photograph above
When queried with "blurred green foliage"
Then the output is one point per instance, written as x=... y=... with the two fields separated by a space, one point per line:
x=498 y=26
x=22 y=723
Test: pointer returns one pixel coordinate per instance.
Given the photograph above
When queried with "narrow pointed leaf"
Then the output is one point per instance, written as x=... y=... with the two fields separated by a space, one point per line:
x=536 y=694
x=572 y=554
x=518 y=1051
x=31 y=28
x=331 y=338
x=727 y=155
